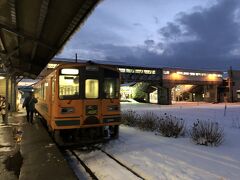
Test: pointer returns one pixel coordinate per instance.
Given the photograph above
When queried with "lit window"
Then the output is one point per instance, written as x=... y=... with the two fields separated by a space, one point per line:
x=179 y=72
x=150 y=71
x=238 y=94
x=129 y=70
x=138 y=71
x=185 y=73
x=192 y=74
x=91 y=88
x=166 y=72
x=121 y=70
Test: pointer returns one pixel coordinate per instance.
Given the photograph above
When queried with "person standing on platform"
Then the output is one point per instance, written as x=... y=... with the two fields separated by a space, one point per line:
x=29 y=103
x=3 y=108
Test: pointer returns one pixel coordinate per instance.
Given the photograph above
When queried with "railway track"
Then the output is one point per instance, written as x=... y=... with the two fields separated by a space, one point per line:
x=122 y=168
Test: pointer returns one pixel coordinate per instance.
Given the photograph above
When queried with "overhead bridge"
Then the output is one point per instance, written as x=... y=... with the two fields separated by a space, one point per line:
x=164 y=80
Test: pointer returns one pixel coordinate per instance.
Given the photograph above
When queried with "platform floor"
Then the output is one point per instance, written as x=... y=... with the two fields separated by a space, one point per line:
x=28 y=153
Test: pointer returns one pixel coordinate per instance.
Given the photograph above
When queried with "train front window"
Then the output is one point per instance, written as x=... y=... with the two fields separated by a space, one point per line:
x=111 y=88
x=69 y=84
x=91 y=88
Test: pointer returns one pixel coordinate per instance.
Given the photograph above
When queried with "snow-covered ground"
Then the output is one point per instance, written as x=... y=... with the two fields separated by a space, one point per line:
x=156 y=157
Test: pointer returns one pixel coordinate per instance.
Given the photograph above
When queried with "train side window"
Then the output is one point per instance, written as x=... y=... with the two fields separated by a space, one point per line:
x=45 y=90
x=91 y=88
x=42 y=91
x=53 y=88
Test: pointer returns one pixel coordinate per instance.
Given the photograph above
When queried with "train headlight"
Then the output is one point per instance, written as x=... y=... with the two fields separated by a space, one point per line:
x=65 y=110
x=113 y=108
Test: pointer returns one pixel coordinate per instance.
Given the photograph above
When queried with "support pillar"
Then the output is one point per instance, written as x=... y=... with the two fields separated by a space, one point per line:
x=12 y=94
x=148 y=98
x=7 y=97
x=211 y=93
x=164 y=96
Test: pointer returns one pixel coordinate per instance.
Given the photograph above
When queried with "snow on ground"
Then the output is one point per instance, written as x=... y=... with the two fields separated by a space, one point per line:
x=110 y=170
x=157 y=157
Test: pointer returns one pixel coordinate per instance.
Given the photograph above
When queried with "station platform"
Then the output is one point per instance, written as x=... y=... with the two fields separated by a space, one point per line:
x=28 y=153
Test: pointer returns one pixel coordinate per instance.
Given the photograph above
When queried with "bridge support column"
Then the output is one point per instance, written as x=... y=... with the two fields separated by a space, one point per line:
x=148 y=98
x=211 y=93
x=164 y=96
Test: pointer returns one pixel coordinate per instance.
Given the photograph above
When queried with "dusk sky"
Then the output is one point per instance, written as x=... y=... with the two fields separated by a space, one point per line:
x=202 y=34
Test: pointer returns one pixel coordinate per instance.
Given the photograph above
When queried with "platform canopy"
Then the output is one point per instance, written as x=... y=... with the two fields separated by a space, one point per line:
x=33 y=31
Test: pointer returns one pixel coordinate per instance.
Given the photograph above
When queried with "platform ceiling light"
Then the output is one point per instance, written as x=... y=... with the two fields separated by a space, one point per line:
x=51 y=65
x=2 y=77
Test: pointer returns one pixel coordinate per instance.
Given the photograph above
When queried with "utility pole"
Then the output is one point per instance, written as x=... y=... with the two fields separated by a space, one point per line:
x=230 y=84
x=76 y=58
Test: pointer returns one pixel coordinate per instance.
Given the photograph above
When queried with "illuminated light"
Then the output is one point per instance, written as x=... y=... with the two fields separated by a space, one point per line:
x=111 y=89
x=69 y=71
x=166 y=72
x=176 y=76
x=179 y=72
x=52 y=66
x=139 y=71
x=185 y=73
x=46 y=84
x=192 y=74
x=129 y=70
x=211 y=77
x=121 y=70
x=2 y=77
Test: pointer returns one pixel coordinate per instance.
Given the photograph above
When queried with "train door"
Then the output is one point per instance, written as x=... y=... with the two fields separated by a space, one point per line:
x=92 y=106
x=91 y=103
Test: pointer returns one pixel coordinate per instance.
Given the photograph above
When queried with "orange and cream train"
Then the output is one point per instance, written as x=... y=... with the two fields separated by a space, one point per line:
x=80 y=101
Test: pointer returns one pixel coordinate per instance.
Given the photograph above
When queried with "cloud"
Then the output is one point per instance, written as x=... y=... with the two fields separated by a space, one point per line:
x=216 y=35
x=204 y=38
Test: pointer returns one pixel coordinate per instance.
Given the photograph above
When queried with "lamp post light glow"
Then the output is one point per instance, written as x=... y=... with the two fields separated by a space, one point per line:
x=176 y=76
x=212 y=77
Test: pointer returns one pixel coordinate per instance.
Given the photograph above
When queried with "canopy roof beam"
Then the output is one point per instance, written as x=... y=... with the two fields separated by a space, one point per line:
x=41 y=20
x=25 y=36
x=13 y=12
